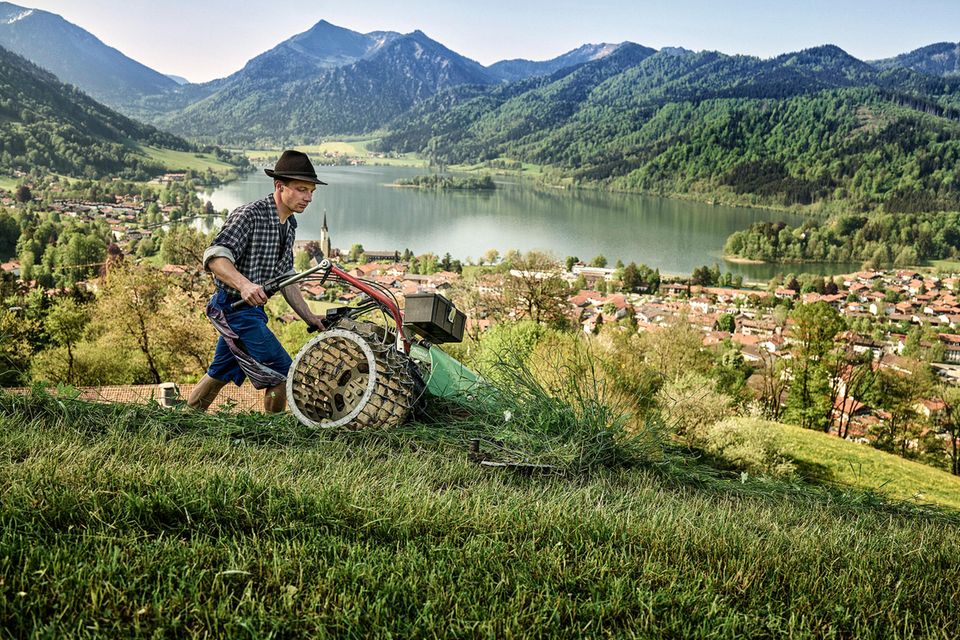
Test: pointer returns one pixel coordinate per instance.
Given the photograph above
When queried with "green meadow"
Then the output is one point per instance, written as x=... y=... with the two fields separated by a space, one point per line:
x=126 y=521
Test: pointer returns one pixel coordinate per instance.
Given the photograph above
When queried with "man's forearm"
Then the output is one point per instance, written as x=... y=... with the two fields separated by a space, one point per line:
x=291 y=293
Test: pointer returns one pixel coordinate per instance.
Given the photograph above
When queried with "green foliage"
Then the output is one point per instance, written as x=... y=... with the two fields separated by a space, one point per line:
x=879 y=240
x=507 y=341
x=96 y=362
x=47 y=126
x=816 y=127
x=185 y=245
x=689 y=402
x=640 y=279
x=745 y=443
x=815 y=327
x=436 y=181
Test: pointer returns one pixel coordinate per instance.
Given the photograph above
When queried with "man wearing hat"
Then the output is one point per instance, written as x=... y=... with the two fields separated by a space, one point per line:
x=255 y=245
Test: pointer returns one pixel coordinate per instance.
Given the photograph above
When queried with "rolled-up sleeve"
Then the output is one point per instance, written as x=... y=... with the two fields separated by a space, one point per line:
x=230 y=240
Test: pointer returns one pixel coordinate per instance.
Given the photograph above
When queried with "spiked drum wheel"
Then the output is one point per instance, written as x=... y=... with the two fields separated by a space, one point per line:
x=351 y=375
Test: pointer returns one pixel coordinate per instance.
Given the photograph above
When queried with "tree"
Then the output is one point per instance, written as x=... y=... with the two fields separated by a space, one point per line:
x=490 y=256
x=356 y=251
x=23 y=194
x=16 y=346
x=896 y=394
x=676 y=350
x=816 y=326
x=726 y=322
x=702 y=276
x=66 y=323
x=773 y=384
x=599 y=261
x=128 y=305
x=570 y=262
x=536 y=289
x=301 y=261
x=948 y=423
x=183 y=245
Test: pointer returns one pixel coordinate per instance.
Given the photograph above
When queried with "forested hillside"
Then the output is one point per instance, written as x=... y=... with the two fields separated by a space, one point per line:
x=816 y=126
x=47 y=126
x=78 y=57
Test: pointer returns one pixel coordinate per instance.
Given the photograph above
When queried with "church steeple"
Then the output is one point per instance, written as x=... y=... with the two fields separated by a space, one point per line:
x=325 y=245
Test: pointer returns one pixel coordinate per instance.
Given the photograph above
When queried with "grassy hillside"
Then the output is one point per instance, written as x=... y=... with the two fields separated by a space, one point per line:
x=174 y=160
x=125 y=521
x=827 y=458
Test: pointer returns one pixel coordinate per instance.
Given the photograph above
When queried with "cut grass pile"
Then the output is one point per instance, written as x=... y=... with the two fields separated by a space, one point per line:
x=136 y=521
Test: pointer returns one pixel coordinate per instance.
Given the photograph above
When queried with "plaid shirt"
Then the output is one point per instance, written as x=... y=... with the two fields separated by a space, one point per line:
x=253 y=239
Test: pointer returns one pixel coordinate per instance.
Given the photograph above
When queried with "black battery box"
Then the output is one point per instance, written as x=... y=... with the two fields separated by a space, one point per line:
x=434 y=317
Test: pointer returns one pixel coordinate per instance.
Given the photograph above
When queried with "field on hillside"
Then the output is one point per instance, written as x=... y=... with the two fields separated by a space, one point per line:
x=828 y=458
x=8 y=184
x=183 y=160
x=351 y=148
x=127 y=521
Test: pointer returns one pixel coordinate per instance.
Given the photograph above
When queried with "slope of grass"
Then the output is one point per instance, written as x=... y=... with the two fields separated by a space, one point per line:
x=183 y=160
x=350 y=148
x=828 y=458
x=8 y=184
x=131 y=521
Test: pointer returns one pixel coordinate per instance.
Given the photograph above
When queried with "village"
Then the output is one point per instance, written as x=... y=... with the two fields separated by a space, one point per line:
x=882 y=309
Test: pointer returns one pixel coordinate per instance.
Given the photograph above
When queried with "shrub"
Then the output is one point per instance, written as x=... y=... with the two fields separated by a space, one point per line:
x=745 y=443
x=690 y=402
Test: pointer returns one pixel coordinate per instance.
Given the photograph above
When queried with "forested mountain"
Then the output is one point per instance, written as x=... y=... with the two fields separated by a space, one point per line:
x=941 y=59
x=282 y=101
x=518 y=69
x=77 y=57
x=46 y=125
x=815 y=125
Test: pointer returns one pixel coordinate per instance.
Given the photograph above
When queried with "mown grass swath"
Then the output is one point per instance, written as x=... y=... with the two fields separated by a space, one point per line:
x=125 y=520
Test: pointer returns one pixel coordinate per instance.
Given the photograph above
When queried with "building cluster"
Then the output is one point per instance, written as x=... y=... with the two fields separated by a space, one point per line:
x=890 y=301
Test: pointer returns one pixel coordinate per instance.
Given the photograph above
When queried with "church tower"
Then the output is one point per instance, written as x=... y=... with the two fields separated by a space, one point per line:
x=325 y=238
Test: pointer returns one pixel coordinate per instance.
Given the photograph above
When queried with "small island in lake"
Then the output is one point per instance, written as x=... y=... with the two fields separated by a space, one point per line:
x=447 y=182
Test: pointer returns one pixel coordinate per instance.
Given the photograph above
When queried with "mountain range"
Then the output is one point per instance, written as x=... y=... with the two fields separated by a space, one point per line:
x=330 y=80
x=668 y=121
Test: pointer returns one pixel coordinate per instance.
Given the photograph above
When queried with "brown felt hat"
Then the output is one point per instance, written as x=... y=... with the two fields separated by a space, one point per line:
x=294 y=165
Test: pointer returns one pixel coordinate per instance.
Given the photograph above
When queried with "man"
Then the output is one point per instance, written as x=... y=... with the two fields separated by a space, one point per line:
x=254 y=246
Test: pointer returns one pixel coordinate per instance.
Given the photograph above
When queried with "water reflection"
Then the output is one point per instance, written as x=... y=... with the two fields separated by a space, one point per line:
x=674 y=235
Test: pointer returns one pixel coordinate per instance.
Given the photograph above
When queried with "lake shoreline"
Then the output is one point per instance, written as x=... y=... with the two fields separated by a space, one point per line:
x=673 y=234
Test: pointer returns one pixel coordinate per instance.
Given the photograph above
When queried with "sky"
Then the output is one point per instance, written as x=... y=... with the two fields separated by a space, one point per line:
x=206 y=39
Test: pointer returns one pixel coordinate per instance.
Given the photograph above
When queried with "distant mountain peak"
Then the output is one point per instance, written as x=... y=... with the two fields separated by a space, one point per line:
x=77 y=57
x=518 y=68
x=26 y=13
x=676 y=51
x=938 y=59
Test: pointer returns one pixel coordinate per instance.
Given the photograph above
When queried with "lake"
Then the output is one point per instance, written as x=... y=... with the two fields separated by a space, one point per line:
x=675 y=236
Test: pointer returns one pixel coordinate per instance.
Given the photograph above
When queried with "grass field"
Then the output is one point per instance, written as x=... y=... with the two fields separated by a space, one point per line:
x=827 y=458
x=352 y=148
x=8 y=184
x=140 y=522
x=183 y=160
x=946 y=265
